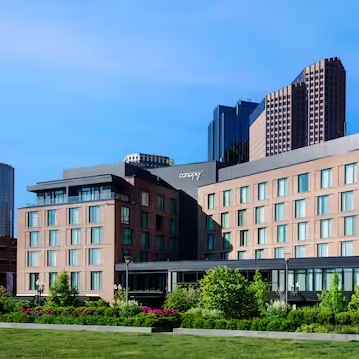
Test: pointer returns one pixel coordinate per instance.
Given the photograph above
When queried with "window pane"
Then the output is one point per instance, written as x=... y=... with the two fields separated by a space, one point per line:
x=225 y=220
x=347 y=201
x=96 y=235
x=51 y=217
x=94 y=214
x=323 y=250
x=282 y=187
x=279 y=211
x=244 y=194
x=34 y=239
x=262 y=235
x=211 y=198
x=242 y=217
x=210 y=223
x=300 y=208
x=241 y=255
x=282 y=233
x=347 y=248
x=96 y=280
x=53 y=238
x=160 y=202
x=262 y=191
x=323 y=204
x=326 y=228
x=303 y=231
x=326 y=178
x=279 y=252
x=127 y=237
x=299 y=251
x=75 y=280
x=350 y=225
x=52 y=279
x=33 y=219
x=226 y=198
x=210 y=242
x=243 y=238
x=125 y=215
x=303 y=182
x=51 y=258
x=350 y=173
x=259 y=215
x=227 y=240
x=33 y=258
x=73 y=257
x=94 y=256
x=75 y=236
x=33 y=277
x=74 y=216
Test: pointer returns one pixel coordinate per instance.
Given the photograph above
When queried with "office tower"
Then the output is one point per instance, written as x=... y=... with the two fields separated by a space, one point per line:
x=308 y=111
x=148 y=161
x=6 y=200
x=228 y=133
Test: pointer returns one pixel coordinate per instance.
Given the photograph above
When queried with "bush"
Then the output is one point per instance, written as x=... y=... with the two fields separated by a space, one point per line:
x=244 y=324
x=301 y=316
x=343 y=319
x=182 y=298
x=97 y=303
x=206 y=312
x=16 y=318
x=9 y=305
x=315 y=328
x=333 y=300
x=325 y=317
x=354 y=317
x=259 y=324
x=353 y=305
x=278 y=309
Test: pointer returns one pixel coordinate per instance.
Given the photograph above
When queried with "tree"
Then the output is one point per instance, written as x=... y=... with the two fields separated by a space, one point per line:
x=182 y=298
x=353 y=305
x=227 y=290
x=260 y=293
x=61 y=294
x=334 y=299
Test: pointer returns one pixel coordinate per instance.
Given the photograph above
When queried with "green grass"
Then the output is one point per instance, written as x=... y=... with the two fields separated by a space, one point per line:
x=20 y=343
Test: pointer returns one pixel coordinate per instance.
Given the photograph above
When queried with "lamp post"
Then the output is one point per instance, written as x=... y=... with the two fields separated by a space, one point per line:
x=128 y=260
x=40 y=287
x=286 y=258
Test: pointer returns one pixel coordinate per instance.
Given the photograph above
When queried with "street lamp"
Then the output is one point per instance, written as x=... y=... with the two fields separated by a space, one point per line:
x=286 y=258
x=40 y=287
x=128 y=260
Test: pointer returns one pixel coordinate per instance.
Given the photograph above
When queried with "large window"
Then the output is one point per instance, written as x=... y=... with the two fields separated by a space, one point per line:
x=76 y=236
x=282 y=187
x=210 y=223
x=262 y=191
x=227 y=198
x=145 y=241
x=282 y=233
x=33 y=258
x=52 y=258
x=210 y=242
x=262 y=235
x=125 y=215
x=32 y=219
x=227 y=240
x=33 y=278
x=347 y=249
x=145 y=199
x=160 y=243
x=94 y=214
x=326 y=176
x=244 y=194
x=127 y=237
x=350 y=173
x=300 y=251
x=173 y=206
x=300 y=208
x=279 y=211
x=210 y=200
x=259 y=253
x=326 y=228
x=74 y=215
x=323 y=250
x=94 y=256
x=34 y=239
x=160 y=202
x=244 y=238
x=323 y=204
x=303 y=230
x=346 y=201
x=96 y=280
x=241 y=255
x=51 y=217
x=96 y=235
x=259 y=215
x=173 y=226
x=241 y=217
x=75 y=280
x=52 y=279
x=73 y=257
x=53 y=238
x=303 y=182
x=144 y=219
x=225 y=220
x=350 y=225
x=279 y=252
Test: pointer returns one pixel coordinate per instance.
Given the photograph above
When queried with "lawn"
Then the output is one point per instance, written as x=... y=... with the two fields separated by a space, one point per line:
x=17 y=343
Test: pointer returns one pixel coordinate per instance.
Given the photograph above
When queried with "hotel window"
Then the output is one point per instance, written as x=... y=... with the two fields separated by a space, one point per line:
x=225 y=220
x=326 y=178
x=33 y=278
x=173 y=206
x=75 y=280
x=127 y=237
x=303 y=229
x=300 y=208
x=241 y=255
x=73 y=257
x=96 y=280
x=227 y=240
x=210 y=242
x=96 y=235
x=210 y=200
x=144 y=219
x=75 y=236
x=51 y=217
x=32 y=219
x=34 y=239
x=323 y=204
x=350 y=173
x=259 y=253
x=259 y=215
x=160 y=243
x=125 y=215
x=243 y=238
x=53 y=238
x=33 y=259
x=74 y=215
x=326 y=228
x=303 y=182
x=262 y=235
x=94 y=214
x=160 y=202
x=279 y=211
x=323 y=250
x=346 y=201
x=94 y=256
x=299 y=251
x=279 y=252
x=52 y=279
x=210 y=223
x=282 y=233
x=262 y=191
x=51 y=258
x=145 y=199
x=226 y=198
x=244 y=194
x=350 y=225
x=145 y=241
x=241 y=217
x=173 y=227
x=347 y=249
x=282 y=187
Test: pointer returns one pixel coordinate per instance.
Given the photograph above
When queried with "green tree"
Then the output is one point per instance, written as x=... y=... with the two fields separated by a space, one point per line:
x=353 y=305
x=334 y=299
x=61 y=294
x=227 y=290
x=182 y=298
x=260 y=291
x=3 y=292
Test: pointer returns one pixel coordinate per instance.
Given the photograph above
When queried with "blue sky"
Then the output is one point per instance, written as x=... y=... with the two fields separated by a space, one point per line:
x=86 y=82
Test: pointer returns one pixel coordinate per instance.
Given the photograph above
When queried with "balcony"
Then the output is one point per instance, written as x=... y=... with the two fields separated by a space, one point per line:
x=78 y=199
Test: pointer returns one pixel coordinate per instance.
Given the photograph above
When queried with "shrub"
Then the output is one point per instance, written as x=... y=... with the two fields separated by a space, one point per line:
x=16 y=318
x=354 y=317
x=206 y=312
x=259 y=324
x=97 y=303
x=9 y=305
x=343 y=319
x=277 y=309
x=3 y=292
x=227 y=290
x=260 y=293
x=305 y=315
x=274 y=325
x=353 y=305
x=244 y=324
x=325 y=317
x=333 y=300
x=315 y=328
x=182 y=298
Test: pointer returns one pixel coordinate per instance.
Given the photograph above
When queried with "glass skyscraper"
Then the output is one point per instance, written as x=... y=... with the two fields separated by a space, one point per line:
x=228 y=133
x=6 y=200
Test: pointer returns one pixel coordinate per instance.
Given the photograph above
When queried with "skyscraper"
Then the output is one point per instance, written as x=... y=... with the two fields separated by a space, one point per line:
x=308 y=111
x=6 y=200
x=228 y=133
